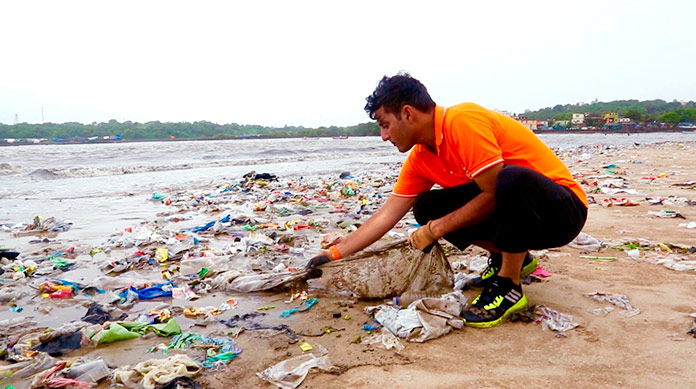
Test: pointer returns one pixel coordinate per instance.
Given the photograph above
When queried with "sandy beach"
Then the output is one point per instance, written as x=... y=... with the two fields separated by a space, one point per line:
x=651 y=349
x=632 y=190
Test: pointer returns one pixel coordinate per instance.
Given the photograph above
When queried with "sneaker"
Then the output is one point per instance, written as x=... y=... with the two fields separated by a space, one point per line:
x=495 y=262
x=497 y=301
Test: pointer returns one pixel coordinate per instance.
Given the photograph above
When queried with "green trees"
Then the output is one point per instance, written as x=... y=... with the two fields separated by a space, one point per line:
x=670 y=117
x=183 y=130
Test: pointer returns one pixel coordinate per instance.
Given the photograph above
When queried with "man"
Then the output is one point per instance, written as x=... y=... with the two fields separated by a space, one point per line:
x=503 y=190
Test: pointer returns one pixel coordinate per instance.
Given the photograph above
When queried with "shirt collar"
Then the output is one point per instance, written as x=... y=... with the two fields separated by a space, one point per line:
x=439 y=122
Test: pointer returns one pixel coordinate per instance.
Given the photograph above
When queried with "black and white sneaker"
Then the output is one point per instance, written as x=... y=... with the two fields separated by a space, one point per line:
x=498 y=300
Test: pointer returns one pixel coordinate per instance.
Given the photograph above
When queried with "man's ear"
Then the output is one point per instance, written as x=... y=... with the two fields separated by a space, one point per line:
x=407 y=111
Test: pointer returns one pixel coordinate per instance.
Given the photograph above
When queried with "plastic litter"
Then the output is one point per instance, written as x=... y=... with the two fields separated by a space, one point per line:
x=553 y=320
x=92 y=371
x=619 y=300
x=664 y=213
x=303 y=307
x=159 y=290
x=399 y=321
x=126 y=330
x=290 y=373
x=386 y=338
x=40 y=362
x=585 y=242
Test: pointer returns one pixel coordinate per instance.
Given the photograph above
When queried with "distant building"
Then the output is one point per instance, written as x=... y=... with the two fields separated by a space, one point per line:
x=611 y=121
x=577 y=118
x=531 y=124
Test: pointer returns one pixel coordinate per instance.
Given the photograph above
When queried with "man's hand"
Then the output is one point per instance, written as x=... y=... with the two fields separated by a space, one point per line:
x=423 y=238
x=320 y=259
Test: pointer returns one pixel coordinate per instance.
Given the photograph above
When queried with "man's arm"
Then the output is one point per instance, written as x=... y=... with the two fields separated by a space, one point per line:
x=376 y=226
x=476 y=210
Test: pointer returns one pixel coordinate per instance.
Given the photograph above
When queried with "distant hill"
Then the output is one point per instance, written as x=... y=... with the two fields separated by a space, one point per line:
x=642 y=111
x=158 y=130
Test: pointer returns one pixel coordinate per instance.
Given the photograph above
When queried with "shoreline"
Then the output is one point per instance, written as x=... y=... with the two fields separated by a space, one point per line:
x=538 y=132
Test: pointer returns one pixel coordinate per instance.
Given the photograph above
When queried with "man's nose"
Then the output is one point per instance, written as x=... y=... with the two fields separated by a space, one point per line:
x=384 y=134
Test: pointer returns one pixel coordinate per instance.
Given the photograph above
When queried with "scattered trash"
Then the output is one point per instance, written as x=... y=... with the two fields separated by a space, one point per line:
x=689 y=225
x=290 y=373
x=619 y=300
x=435 y=317
x=386 y=338
x=664 y=213
x=598 y=258
x=154 y=372
x=586 y=242
x=553 y=320
x=303 y=307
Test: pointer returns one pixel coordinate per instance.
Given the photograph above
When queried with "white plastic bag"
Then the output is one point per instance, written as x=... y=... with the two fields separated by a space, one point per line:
x=290 y=373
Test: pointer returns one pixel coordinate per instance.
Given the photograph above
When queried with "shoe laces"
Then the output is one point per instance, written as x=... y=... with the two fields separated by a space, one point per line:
x=490 y=267
x=487 y=295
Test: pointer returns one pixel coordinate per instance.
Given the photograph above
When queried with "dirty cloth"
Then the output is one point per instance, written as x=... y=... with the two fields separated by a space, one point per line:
x=155 y=372
x=390 y=269
x=181 y=383
x=61 y=345
x=97 y=315
x=434 y=316
x=290 y=373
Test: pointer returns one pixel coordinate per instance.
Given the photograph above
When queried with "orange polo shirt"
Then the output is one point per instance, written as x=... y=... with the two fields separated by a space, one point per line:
x=470 y=139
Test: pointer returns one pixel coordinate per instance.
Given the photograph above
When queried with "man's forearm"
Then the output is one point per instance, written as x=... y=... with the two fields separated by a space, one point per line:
x=376 y=226
x=475 y=211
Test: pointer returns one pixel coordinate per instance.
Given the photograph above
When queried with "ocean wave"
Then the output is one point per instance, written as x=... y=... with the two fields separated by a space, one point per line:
x=7 y=169
x=45 y=174
x=72 y=172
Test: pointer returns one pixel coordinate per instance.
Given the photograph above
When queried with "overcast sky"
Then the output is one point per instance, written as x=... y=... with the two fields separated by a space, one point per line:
x=312 y=63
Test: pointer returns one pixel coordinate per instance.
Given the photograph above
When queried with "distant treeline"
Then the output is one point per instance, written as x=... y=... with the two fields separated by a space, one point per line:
x=157 y=130
x=640 y=111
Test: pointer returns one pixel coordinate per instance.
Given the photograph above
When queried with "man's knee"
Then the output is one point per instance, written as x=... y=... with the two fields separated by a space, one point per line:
x=513 y=178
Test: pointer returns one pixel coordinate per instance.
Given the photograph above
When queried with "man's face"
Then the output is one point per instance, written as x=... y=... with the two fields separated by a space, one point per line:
x=395 y=130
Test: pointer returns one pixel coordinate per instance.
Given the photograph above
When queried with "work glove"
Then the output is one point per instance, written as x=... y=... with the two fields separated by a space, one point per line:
x=423 y=238
x=314 y=263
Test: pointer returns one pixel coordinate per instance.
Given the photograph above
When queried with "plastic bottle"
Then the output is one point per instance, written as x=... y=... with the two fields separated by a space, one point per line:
x=92 y=371
x=408 y=297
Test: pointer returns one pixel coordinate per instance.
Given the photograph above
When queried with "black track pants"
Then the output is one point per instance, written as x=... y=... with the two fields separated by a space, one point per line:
x=531 y=212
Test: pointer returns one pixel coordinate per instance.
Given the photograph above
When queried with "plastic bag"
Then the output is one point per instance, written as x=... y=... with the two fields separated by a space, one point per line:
x=290 y=373
x=386 y=338
x=390 y=270
x=554 y=320
x=586 y=242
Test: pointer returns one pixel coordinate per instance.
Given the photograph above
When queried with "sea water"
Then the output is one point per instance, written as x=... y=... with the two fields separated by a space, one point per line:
x=105 y=187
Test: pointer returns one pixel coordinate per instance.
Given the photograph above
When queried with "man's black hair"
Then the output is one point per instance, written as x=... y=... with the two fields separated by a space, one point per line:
x=394 y=92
